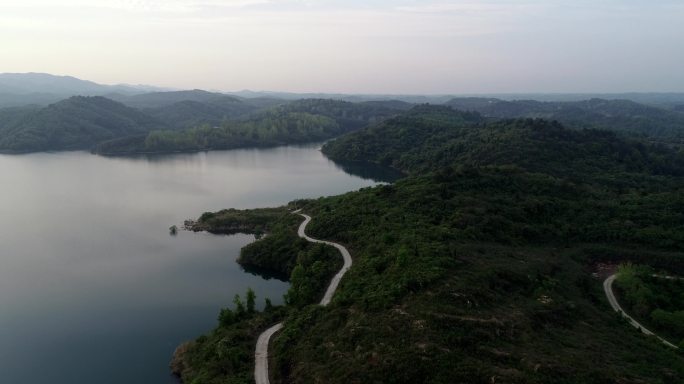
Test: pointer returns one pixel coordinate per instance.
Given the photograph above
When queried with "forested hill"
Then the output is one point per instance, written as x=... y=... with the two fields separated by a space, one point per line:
x=75 y=123
x=207 y=120
x=189 y=109
x=268 y=129
x=475 y=268
x=190 y=114
x=428 y=138
x=296 y=122
x=616 y=115
x=163 y=99
x=203 y=120
x=349 y=115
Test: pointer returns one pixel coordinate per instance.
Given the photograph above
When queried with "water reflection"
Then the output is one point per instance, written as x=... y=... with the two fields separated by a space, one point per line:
x=266 y=274
x=370 y=171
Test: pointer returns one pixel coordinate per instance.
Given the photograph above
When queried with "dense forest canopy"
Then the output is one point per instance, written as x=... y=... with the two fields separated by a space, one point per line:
x=617 y=115
x=163 y=99
x=269 y=129
x=475 y=268
x=428 y=137
x=296 y=122
x=75 y=123
x=656 y=299
x=203 y=120
x=188 y=113
x=210 y=120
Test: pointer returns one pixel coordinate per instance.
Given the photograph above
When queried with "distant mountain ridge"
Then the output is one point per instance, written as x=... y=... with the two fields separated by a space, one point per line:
x=44 y=83
x=666 y=99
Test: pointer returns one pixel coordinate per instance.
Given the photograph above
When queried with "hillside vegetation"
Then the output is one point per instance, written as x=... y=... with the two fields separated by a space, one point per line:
x=268 y=129
x=188 y=109
x=429 y=138
x=199 y=120
x=75 y=123
x=163 y=99
x=188 y=113
x=476 y=268
x=179 y=121
x=656 y=299
x=296 y=122
x=616 y=115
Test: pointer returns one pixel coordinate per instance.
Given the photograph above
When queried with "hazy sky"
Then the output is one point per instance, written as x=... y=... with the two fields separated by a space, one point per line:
x=372 y=46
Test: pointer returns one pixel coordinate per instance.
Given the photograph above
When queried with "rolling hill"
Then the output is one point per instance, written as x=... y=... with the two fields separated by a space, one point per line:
x=430 y=137
x=44 y=83
x=295 y=122
x=75 y=123
x=616 y=115
x=163 y=99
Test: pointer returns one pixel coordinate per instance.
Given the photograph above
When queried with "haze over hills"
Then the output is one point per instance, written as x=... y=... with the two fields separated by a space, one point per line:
x=198 y=120
x=36 y=88
x=18 y=89
x=668 y=99
x=27 y=83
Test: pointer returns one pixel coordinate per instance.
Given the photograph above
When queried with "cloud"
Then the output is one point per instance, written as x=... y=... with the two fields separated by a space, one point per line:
x=163 y=6
x=469 y=7
x=352 y=45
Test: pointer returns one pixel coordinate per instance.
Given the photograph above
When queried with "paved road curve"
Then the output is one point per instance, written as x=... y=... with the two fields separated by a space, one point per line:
x=608 y=288
x=261 y=352
x=345 y=254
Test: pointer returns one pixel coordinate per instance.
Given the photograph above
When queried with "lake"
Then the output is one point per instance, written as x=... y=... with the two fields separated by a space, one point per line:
x=93 y=289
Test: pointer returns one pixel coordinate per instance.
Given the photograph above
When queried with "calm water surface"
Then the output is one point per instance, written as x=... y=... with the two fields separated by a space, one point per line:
x=93 y=289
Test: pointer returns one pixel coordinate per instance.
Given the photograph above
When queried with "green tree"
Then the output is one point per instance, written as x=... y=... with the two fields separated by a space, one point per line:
x=251 y=299
x=226 y=317
x=239 y=306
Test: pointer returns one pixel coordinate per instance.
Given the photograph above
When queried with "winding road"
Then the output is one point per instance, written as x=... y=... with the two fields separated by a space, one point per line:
x=261 y=352
x=608 y=288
